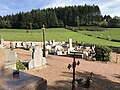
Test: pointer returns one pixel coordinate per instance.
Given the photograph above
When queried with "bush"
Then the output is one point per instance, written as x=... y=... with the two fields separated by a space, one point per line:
x=91 y=28
x=74 y=29
x=115 y=49
x=20 y=66
x=103 y=24
x=102 y=53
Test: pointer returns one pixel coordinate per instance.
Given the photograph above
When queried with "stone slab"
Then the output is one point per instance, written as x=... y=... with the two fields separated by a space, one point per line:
x=24 y=82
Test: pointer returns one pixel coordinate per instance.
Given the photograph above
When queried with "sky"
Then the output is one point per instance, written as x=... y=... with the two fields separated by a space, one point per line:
x=8 y=7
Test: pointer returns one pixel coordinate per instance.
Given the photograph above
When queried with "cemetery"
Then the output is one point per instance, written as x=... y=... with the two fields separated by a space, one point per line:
x=59 y=45
x=38 y=67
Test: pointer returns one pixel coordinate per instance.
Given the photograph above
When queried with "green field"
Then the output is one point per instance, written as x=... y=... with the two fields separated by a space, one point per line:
x=114 y=33
x=58 y=34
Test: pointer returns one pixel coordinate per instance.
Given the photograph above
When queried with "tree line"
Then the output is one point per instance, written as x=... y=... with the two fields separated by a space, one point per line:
x=75 y=16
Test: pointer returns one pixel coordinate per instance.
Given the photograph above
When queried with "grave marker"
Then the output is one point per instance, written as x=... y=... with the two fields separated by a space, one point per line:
x=10 y=59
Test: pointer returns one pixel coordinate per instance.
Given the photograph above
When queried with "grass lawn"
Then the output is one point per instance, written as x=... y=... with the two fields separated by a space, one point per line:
x=58 y=34
x=114 y=33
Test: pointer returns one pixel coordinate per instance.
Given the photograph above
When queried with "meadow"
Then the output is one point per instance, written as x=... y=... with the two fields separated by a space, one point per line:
x=114 y=33
x=58 y=34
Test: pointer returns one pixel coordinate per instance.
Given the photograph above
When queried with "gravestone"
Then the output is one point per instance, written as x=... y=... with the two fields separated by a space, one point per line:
x=85 y=55
x=37 y=58
x=53 y=42
x=25 y=46
x=10 y=59
x=44 y=61
x=59 y=52
x=1 y=43
x=31 y=46
x=14 y=43
x=48 y=47
x=87 y=48
x=50 y=42
x=31 y=64
x=70 y=43
x=70 y=46
x=18 y=45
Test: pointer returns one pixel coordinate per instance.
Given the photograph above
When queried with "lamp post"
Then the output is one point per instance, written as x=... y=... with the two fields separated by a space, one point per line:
x=44 y=49
x=73 y=67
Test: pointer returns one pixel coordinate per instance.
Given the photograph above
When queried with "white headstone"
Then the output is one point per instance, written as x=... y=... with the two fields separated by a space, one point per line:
x=48 y=47
x=85 y=55
x=10 y=59
x=44 y=61
x=59 y=52
x=53 y=42
x=1 y=43
x=50 y=42
x=25 y=45
x=38 y=54
x=70 y=43
x=31 y=64
x=18 y=45
x=37 y=58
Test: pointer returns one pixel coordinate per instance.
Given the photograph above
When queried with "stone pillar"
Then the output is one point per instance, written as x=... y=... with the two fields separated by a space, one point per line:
x=70 y=43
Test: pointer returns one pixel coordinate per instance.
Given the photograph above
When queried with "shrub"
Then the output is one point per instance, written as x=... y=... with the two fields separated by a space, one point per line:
x=115 y=49
x=102 y=53
x=85 y=28
x=19 y=65
x=103 y=24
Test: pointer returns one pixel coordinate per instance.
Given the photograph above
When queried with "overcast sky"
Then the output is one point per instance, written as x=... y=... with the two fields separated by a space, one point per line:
x=107 y=7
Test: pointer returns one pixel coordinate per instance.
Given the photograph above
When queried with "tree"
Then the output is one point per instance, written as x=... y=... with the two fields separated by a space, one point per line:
x=61 y=24
x=4 y=24
x=70 y=15
x=52 y=20
x=115 y=22
x=77 y=20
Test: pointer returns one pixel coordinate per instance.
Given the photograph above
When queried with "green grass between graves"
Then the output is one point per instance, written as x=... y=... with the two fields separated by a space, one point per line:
x=58 y=34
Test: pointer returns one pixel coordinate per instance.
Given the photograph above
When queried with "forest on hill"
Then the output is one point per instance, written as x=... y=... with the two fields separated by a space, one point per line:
x=75 y=16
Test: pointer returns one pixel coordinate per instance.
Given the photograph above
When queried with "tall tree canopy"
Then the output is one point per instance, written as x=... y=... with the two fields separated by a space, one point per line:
x=55 y=17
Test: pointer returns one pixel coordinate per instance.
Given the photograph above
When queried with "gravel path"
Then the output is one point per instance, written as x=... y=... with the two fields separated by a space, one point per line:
x=106 y=76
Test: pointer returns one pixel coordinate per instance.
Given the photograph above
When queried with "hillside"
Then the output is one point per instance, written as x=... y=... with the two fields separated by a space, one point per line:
x=58 y=34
